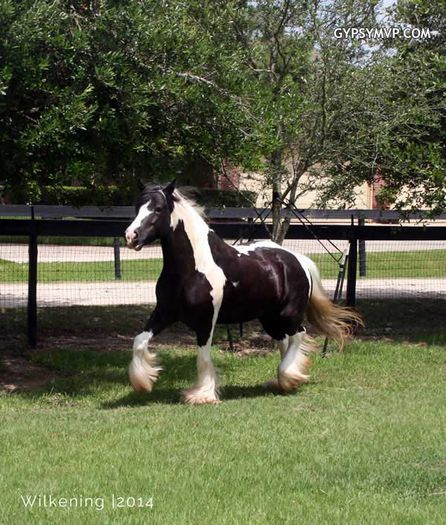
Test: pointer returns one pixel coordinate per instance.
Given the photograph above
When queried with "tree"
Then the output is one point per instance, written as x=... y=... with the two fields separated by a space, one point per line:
x=102 y=92
x=338 y=110
x=404 y=134
x=105 y=92
x=304 y=77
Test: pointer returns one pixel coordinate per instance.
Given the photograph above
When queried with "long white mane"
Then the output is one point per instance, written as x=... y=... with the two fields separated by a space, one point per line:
x=185 y=206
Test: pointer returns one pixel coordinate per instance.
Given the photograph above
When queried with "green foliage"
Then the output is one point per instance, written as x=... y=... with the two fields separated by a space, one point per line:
x=81 y=196
x=102 y=93
x=97 y=92
x=215 y=198
x=345 y=110
x=390 y=120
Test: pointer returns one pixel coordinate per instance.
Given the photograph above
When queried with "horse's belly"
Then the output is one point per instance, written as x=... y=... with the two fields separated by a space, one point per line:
x=238 y=314
x=242 y=304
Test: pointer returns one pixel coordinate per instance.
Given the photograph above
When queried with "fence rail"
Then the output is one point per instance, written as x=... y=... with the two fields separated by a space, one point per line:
x=127 y=212
x=235 y=225
x=115 y=228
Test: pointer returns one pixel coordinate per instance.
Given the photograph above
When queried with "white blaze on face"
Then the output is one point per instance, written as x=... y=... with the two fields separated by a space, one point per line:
x=143 y=213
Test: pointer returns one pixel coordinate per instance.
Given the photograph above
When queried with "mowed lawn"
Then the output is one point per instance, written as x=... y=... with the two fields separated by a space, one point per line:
x=421 y=264
x=363 y=442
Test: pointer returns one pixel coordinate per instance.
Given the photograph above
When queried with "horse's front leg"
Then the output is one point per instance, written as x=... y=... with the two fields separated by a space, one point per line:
x=144 y=367
x=206 y=388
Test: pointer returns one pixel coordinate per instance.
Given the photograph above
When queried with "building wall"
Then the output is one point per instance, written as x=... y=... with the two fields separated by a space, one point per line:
x=254 y=182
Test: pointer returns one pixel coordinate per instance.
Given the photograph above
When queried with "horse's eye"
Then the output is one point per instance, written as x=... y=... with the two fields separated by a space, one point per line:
x=157 y=209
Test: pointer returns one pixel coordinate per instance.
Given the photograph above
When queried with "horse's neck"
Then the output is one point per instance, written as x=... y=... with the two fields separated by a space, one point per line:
x=187 y=229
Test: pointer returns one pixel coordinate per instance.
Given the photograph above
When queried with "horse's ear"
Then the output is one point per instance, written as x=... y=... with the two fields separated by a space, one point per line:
x=169 y=189
x=140 y=184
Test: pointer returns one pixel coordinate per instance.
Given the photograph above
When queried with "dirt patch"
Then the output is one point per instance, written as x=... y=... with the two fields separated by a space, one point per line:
x=17 y=374
x=253 y=341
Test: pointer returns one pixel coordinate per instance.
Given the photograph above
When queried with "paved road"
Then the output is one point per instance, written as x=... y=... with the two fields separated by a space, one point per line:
x=127 y=293
x=55 y=253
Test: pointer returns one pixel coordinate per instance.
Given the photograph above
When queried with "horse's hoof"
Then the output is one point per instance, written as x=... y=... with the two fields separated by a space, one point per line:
x=273 y=386
x=196 y=397
x=290 y=382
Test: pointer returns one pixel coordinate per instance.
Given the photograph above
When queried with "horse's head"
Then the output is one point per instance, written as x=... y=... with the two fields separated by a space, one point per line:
x=153 y=208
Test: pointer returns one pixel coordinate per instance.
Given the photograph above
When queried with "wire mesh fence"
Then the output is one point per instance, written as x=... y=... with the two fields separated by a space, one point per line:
x=90 y=271
x=96 y=272
x=385 y=269
x=67 y=271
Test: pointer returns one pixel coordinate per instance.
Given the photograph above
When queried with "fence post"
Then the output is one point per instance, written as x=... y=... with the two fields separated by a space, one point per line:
x=351 y=271
x=117 y=257
x=32 y=284
x=362 y=252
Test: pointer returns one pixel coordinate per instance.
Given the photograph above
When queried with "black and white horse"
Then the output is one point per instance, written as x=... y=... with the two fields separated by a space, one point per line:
x=205 y=281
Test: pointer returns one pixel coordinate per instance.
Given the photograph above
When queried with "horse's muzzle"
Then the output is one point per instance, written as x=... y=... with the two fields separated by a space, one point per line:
x=131 y=237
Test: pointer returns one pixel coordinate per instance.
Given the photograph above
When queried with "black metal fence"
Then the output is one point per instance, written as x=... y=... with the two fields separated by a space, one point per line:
x=62 y=256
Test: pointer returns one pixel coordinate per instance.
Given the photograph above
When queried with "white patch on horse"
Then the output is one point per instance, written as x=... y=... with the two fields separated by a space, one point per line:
x=143 y=213
x=306 y=264
x=206 y=389
x=246 y=249
x=144 y=369
x=235 y=284
x=197 y=232
x=283 y=345
x=295 y=362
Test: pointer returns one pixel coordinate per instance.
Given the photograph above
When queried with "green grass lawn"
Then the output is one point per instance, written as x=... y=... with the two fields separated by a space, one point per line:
x=424 y=264
x=138 y=270
x=364 y=442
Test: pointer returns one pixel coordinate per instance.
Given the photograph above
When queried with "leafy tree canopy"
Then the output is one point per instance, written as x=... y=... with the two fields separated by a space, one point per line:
x=103 y=92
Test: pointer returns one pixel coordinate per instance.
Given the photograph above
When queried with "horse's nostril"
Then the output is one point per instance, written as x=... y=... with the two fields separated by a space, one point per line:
x=131 y=236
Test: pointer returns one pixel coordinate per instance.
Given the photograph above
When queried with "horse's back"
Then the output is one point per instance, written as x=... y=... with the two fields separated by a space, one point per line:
x=261 y=279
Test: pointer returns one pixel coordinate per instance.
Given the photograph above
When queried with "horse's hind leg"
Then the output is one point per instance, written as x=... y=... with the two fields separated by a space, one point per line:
x=295 y=363
x=273 y=384
x=294 y=347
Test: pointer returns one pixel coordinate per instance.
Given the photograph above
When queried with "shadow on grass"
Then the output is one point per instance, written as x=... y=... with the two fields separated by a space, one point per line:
x=88 y=373
x=167 y=396
x=177 y=370
x=171 y=396
x=405 y=320
x=246 y=391
x=412 y=320
x=77 y=371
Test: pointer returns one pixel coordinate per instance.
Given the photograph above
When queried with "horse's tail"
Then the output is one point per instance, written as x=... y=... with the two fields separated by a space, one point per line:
x=334 y=321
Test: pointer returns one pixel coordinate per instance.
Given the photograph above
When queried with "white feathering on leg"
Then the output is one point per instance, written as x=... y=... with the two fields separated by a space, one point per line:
x=273 y=384
x=295 y=363
x=206 y=390
x=144 y=368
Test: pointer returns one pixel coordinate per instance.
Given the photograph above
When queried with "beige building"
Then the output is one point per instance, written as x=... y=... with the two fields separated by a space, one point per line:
x=364 y=194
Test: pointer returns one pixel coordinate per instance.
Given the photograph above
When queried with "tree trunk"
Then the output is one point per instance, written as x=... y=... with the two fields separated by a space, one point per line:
x=276 y=208
x=291 y=198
